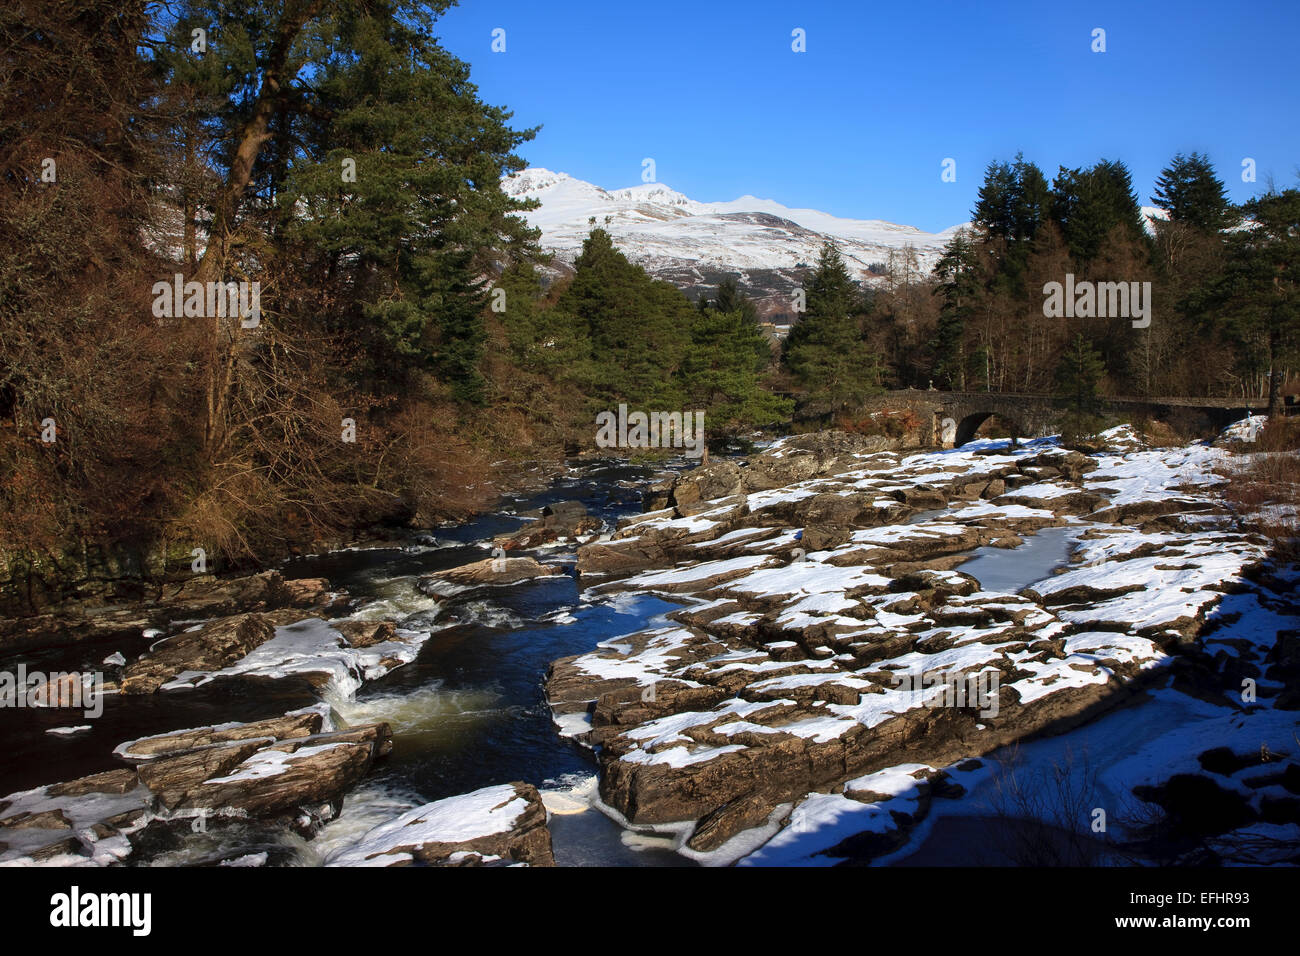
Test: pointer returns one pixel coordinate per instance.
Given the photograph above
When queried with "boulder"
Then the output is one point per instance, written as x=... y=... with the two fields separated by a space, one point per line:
x=206 y=595
x=307 y=592
x=172 y=778
x=293 y=775
x=110 y=781
x=273 y=772
x=921 y=497
x=718 y=479
x=298 y=724
x=618 y=557
x=366 y=633
x=216 y=645
x=497 y=825
x=813 y=456
x=795 y=459
x=823 y=537
x=197 y=596
x=553 y=522
x=493 y=571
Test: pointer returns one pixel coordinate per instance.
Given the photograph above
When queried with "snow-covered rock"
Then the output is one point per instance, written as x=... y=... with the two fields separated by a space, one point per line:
x=289 y=770
x=792 y=675
x=499 y=825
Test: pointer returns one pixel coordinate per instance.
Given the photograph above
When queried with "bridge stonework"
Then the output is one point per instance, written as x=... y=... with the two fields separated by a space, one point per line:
x=950 y=419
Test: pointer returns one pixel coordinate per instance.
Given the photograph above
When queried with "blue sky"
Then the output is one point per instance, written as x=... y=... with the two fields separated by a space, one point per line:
x=860 y=123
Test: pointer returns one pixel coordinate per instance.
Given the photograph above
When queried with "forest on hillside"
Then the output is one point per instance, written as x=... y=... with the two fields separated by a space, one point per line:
x=408 y=336
x=1223 y=278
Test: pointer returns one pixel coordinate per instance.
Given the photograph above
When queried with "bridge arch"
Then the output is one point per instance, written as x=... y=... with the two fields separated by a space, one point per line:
x=970 y=423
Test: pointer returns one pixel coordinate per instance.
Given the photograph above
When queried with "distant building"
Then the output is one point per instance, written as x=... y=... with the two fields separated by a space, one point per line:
x=774 y=332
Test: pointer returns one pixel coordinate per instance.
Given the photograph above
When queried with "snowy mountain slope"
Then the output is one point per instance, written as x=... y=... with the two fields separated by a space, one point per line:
x=695 y=244
x=690 y=242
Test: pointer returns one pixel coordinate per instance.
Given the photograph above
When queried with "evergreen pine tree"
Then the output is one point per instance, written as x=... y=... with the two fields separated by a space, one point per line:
x=637 y=327
x=993 y=214
x=404 y=240
x=1190 y=192
x=1078 y=376
x=958 y=286
x=1031 y=200
x=826 y=350
x=721 y=370
x=1014 y=201
x=731 y=299
x=1079 y=373
x=1257 y=297
x=1089 y=204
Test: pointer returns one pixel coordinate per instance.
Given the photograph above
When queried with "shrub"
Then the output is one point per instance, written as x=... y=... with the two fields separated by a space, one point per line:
x=1078 y=429
x=1264 y=486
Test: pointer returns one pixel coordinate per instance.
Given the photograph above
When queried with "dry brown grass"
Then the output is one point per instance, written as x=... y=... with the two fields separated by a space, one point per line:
x=890 y=422
x=1264 y=486
x=1157 y=434
x=1282 y=434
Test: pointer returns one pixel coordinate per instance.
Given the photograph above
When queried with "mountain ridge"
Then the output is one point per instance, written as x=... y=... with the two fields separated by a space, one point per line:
x=694 y=244
x=764 y=244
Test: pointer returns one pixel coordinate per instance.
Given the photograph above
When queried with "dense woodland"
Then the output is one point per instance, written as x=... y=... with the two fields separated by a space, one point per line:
x=1225 y=313
x=337 y=155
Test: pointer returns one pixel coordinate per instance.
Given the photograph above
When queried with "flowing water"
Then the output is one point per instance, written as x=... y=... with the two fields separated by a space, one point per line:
x=469 y=712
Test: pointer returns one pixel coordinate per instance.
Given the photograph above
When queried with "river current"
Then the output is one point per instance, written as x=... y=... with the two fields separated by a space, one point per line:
x=469 y=712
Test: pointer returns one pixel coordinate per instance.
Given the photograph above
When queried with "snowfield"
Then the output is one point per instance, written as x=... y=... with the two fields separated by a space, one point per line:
x=681 y=239
x=659 y=228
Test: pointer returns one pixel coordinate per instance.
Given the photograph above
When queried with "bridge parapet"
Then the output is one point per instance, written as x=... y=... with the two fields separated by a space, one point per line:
x=949 y=419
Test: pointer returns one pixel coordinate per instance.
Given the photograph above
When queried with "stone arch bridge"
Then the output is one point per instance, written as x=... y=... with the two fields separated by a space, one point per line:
x=950 y=419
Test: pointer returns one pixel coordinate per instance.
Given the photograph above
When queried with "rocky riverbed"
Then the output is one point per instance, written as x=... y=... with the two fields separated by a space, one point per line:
x=807 y=703
x=831 y=680
x=251 y=791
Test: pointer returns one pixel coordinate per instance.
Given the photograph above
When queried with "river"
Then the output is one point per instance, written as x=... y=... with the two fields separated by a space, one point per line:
x=469 y=712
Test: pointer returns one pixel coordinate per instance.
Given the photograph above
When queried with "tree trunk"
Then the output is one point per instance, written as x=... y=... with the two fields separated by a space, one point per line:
x=254 y=133
x=189 y=240
x=1274 y=375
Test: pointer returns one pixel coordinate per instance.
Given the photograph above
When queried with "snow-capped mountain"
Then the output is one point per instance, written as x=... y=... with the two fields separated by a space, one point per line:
x=694 y=244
